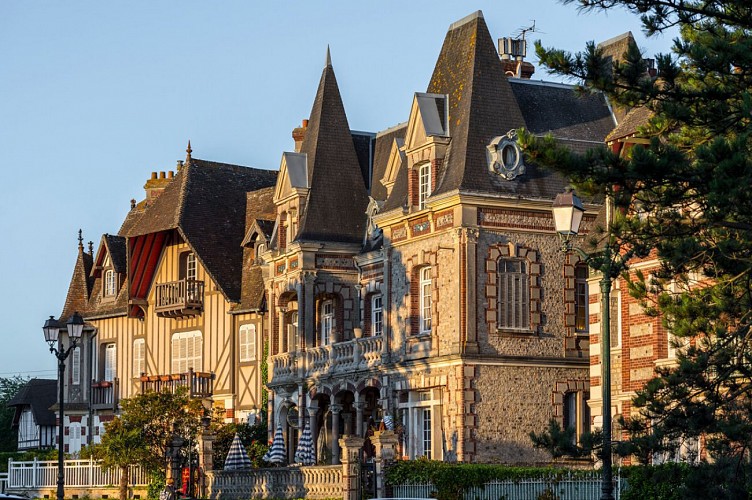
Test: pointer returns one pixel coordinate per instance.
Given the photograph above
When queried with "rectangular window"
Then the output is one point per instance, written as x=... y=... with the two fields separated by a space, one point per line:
x=377 y=315
x=581 y=298
x=425 y=416
x=327 y=321
x=110 y=283
x=139 y=357
x=186 y=351
x=425 y=300
x=190 y=266
x=76 y=366
x=513 y=288
x=424 y=184
x=110 y=362
x=247 y=343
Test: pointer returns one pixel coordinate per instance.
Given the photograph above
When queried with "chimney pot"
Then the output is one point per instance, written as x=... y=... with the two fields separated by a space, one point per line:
x=305 y=123
x=153 y=175
x=161 y=175
x=170 y=174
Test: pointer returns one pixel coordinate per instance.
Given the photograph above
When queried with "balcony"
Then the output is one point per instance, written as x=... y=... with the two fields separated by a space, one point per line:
x=179 y=298
x=199 y=384
x=339 y=358
x=104 y=395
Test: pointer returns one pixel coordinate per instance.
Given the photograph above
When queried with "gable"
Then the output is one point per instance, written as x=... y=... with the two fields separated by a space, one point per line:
x=428 y=118
x=293 y=176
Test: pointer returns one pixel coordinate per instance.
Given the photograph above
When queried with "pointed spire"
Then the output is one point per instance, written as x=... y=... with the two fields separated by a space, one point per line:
x=91 y=248
x=80 y=241
x=328 y=56
x=188 y=151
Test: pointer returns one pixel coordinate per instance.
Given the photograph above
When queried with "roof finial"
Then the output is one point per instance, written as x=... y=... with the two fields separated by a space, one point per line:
x=188 y=152
x=133 y=203
x=91 y=247
x=328 y=56
x=80 y=240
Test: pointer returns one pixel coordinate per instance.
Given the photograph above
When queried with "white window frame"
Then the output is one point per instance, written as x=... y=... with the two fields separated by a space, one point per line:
x=191 y=268
x=425 y=303
x=513 y=295
x=187 y=351
x=247 y=342
x=76 y=366
x=28 y=430
x=581 y=299
x=110 y=362
x=424 y=184
x=421 y=418
x=292 y=331
x=110 y=283
x=377 y=314
x=327 y=321
x=139 y=357
x=75 y=439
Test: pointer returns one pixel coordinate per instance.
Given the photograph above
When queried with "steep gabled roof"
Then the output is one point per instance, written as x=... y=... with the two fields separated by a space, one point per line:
x=481 y=103
x=636 y=118
x=335 y=175
x=114 y=247
x=40 y=395
x=206 y=204
x=81 y=284
x=382 y=150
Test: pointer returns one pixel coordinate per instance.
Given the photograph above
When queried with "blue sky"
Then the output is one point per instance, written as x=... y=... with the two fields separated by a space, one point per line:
x=94 y=96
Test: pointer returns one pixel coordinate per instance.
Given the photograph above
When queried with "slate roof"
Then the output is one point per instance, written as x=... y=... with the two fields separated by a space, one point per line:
x=80 y=286
x=484 y=103
x=562 y=111
x=364 y=144
x=116 y=249
x=481 y=105
x=335 y=175
x=382 y=149
x=261 y=211
x=206 y=204
x=40 y=395
x=636 y=118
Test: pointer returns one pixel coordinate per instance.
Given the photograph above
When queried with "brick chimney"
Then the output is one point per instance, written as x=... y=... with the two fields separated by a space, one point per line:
x=156 y=184
x=298 y=134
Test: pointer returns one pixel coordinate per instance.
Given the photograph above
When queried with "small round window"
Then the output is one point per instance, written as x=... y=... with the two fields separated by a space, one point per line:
x=509 y=156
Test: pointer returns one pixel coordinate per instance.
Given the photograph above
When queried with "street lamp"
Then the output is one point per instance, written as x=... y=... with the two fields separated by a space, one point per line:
x=610 y=262
x=51 y=328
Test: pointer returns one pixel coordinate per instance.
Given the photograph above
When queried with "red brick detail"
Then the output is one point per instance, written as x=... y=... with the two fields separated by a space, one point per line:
x=413 y=193
x=282 y=237
x=415 y=294
x=443 y=219
x=420 y=227
x=532 y=257
x=106 y=418
x=75 y=418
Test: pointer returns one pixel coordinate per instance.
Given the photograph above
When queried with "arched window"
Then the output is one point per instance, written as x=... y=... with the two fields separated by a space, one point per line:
x=424 y=308
x=513 y=289
x=424 y=184
x=190 y=266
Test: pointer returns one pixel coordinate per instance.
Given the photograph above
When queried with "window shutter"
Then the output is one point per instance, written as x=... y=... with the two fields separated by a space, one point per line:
x=110 y=362
x=76 y=366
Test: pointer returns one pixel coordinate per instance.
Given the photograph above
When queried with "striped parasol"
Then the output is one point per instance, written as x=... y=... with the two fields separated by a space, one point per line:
x=276 y=453
x=237 y=458
x=305 y=453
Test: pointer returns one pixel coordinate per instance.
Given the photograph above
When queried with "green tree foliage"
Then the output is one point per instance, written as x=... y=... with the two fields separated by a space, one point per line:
x=9 y=387
x=563 y=442
x=687 y=194
x=145 y=430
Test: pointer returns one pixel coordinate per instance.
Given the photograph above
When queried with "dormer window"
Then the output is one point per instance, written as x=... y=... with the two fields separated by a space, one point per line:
x=110 y=283
x=424 y=184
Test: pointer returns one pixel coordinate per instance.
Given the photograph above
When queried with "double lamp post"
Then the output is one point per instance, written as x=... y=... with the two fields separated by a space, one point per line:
x=52 y=327
x=610 y=261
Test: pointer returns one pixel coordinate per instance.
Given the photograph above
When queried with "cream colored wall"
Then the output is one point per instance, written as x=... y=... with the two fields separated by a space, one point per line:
x=122 y=331
x=248 y=374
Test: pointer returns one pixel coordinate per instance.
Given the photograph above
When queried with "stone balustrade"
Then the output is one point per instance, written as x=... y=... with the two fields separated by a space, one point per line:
x=342 y=357
x=317 y=482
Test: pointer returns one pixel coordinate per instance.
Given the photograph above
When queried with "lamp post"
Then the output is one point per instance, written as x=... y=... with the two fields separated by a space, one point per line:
x=51 y=328
x=610 y=262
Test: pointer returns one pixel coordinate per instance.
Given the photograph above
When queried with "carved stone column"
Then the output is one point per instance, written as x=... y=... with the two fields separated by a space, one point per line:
x=313 y=409
x=335 y=409
x=385 y=443
x=359 y=407
x=205 y=457
x=351 y=446
x=309 y=303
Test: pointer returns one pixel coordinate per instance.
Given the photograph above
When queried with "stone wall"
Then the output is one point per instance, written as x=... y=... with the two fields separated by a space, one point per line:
x=512 y=401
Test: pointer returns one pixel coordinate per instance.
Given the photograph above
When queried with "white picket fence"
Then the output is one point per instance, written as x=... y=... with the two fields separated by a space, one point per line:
x=570 y=487
x=82 y=473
